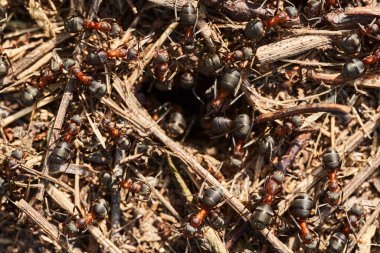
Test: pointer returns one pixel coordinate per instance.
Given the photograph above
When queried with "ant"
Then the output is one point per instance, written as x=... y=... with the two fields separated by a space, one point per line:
x=289 y=126
x=97 y=88
x=263 y=214
x=32 y=92
x=118 y=134
x=256 y=29
x=210 y=199
x=331 y=162
x=241 y=128
x=162 y=70
x=134 y=186
x=10 y=164
x=301 y=209
x=228 y=83
x=61 y=152
x=98 y=211
x=339 y=239
x=188 y=17
x=76 y=24
x=177 y=124
x=102 y=56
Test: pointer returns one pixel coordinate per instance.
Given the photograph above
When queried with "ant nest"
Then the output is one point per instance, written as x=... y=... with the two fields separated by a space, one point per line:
x=178 y=128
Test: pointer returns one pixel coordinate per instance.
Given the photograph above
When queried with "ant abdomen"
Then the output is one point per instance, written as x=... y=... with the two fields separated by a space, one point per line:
x=353 y=68
x=302 y=206
x=188 y=14
x=241 y=126
x=337 y=243
x=230 y=79
x=220 y=125
x=74 y=24
x=262 y=216
x=331 y=159
x=212 y=197
x=101 y=208
x=29 y=96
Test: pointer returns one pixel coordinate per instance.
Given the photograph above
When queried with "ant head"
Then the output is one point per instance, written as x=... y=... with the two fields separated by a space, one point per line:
x=68 y=63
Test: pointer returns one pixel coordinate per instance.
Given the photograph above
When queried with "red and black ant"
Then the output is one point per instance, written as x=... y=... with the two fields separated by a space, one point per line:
x=102 y=56
x=119 y=134
x=331 y=162
x=210 y=199
x=32 y=92
x=256 y=29
x=98 y=211
x=228 y=83
x=133 y=186
x=339 y=240
x=76 y=24
x=301 y=209
x=97 y=88
x=162 y=70
x=61 y=152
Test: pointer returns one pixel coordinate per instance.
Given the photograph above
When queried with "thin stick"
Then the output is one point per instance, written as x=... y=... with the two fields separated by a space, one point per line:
x=34 y=56
x=48 y=228
x=21 y=113
x=157 y=193
x=302 y=109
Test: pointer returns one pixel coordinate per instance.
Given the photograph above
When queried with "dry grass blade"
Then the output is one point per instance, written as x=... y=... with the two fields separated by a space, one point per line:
x=42 y=20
